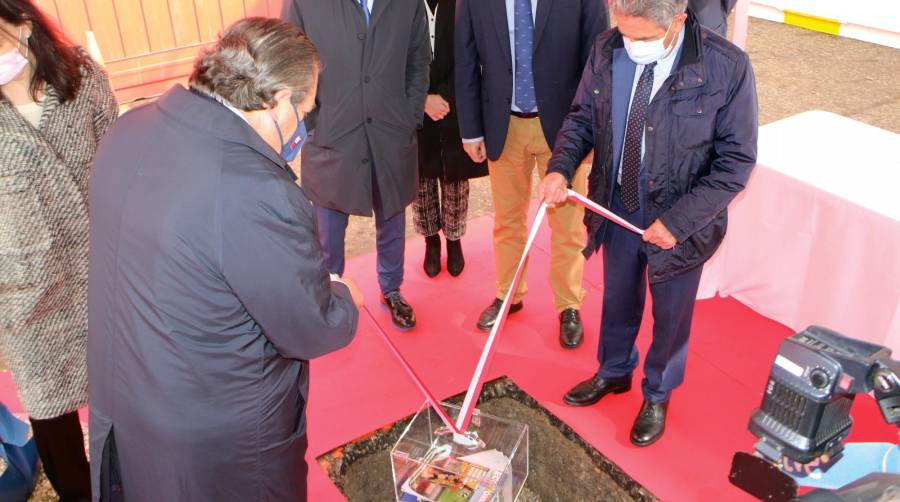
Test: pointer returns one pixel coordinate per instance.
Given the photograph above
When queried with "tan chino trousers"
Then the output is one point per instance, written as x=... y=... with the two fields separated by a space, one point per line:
x=511 y=177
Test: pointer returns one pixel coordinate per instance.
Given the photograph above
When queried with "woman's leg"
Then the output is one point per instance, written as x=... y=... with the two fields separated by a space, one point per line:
x=426 y=208
x=427 y=220
x=455 y=209
x=60 y=445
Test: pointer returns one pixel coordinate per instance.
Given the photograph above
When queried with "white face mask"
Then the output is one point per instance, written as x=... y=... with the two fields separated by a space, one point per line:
x=648 y=52
x=13 y=62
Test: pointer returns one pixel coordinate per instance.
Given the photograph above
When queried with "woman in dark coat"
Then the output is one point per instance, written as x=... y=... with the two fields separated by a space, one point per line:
x=442 y=160
x=55 y=105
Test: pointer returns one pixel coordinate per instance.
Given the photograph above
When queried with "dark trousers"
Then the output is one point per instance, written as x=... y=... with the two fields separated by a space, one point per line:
x=60 y=445
x=390 y=241
x=625 y=285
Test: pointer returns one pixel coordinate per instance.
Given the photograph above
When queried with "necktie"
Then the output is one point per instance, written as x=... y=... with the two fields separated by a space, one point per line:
x=524 y=38
x=365 y=7
x=634 y=136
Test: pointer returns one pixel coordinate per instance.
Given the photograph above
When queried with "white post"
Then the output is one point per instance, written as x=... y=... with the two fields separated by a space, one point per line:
x=93 y=47
x=741 y=20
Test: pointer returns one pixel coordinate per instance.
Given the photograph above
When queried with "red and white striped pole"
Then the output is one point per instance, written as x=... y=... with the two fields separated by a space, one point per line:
x=477 y=382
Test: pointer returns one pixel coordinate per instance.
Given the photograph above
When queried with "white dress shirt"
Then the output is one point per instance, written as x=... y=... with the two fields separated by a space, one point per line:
x=431 y=19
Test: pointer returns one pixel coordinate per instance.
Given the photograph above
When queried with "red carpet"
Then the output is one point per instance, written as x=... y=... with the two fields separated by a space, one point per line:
x=362 y=387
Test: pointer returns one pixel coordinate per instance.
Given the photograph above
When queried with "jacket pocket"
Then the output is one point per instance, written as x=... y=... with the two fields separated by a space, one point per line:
x=700 y=246
x=25 y=242
x=695 y=122
x=25 y=237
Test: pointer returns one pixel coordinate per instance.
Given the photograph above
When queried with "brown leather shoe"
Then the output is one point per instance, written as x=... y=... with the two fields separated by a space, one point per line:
x=649 y=424
x=489 y=316
x=593 y=389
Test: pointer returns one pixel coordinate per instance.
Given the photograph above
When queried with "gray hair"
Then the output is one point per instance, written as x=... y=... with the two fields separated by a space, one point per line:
x=660 y=11
x=254 y=59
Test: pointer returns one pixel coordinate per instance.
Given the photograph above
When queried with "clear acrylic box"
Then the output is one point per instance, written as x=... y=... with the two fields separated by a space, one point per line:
x=428 y=465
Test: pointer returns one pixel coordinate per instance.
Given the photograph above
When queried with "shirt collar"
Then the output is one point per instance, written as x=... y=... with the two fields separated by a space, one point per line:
x=669 y=60
x=232 y=108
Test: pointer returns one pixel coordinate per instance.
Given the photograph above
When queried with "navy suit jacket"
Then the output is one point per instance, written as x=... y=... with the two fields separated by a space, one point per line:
x=564 y=34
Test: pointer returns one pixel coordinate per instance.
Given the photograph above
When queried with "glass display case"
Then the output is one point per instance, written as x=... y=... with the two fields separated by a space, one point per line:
x=489 y=463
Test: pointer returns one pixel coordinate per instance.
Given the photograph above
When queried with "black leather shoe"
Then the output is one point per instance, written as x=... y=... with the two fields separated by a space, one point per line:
x=591 y=390
x=649 y=424
x=455 y=260
x=489 y=316
x=571 y=333
x=432 y=264
x=401 y=313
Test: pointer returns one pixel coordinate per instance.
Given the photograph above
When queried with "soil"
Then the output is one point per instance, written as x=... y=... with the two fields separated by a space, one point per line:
x=562 y=466
x=559 y=470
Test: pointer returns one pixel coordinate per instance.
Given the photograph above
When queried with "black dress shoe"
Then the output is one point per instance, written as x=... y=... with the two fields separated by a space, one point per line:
x=489 y=316
x=432 y=264
x=455 y=259
x=401 y=313
x=649 y=424
x=591 y=390
x=571 y=333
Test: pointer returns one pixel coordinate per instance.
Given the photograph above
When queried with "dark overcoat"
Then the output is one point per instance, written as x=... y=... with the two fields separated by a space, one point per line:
x=713 y=13
x=370 y=102
x=441 y=153
x=700 y=144
x=207 y=296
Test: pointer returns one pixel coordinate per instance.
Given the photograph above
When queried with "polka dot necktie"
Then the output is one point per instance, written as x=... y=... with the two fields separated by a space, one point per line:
x=634 y=136
x=524 y=38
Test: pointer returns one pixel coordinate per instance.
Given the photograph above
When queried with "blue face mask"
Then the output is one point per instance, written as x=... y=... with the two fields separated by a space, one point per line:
x=290 y=149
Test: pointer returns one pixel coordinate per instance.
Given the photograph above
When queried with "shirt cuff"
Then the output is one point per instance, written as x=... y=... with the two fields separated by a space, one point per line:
x=337 y=278
x=467 y=141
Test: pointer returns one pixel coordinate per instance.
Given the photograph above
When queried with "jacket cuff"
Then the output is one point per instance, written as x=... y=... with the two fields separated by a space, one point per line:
x=558 y=168
x=675 y=226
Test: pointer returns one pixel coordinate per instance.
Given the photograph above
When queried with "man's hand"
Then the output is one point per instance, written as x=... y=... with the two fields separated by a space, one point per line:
x=355 y=293
x=553 y=189
x=476 y=151
x=436 y=107
x=658 y=235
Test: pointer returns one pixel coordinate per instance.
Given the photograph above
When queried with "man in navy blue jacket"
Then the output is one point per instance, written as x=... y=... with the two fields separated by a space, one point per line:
x=670 y=108
x=517 y=68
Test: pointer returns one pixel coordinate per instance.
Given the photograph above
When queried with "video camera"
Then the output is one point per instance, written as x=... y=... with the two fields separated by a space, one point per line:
x=805 y=412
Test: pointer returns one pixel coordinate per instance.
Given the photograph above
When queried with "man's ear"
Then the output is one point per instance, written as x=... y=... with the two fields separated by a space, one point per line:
x=284 y=94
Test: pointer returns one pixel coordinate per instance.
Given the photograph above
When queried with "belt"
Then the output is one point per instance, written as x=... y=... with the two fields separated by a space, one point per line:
x=524 y=115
